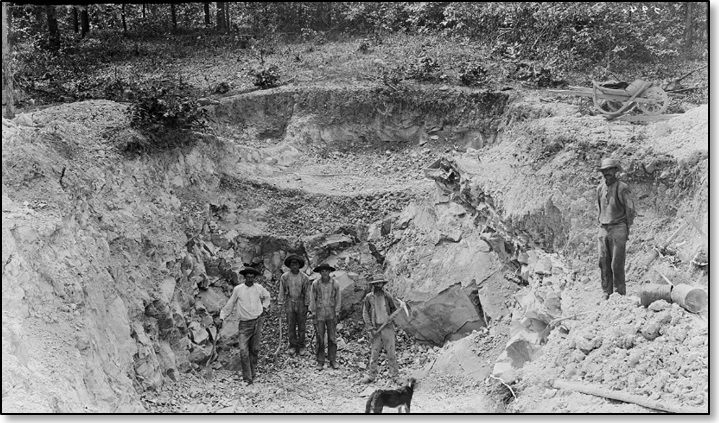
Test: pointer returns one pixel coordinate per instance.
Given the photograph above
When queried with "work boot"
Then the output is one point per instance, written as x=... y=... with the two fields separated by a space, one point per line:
x=291 y=351
x=319 y=366
x=335 y=365
x=367 y=379
x=302 y=351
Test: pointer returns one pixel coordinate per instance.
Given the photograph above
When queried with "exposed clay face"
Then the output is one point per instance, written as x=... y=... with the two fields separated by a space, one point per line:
x=116 y=288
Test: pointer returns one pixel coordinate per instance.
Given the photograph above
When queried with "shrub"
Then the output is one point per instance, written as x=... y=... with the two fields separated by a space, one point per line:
x=472 y=74
x=165 y=117
x=267 y=77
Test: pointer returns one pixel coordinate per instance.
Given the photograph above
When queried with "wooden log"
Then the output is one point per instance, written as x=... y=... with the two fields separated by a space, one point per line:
x=654 y=292
x=626 y=397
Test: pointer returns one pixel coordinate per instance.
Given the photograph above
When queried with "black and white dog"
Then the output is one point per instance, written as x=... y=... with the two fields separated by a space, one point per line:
x=391 y=398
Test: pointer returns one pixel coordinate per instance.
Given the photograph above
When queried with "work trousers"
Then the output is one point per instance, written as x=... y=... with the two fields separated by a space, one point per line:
x=386 y=338
x=250 y=336
x=296 y=325
x=612 y=242
x=329 y=327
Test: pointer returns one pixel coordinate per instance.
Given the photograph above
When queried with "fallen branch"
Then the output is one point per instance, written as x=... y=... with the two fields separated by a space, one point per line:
x=625 y=397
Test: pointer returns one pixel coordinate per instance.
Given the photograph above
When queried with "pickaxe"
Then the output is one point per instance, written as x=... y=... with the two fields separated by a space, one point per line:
x=402 y=306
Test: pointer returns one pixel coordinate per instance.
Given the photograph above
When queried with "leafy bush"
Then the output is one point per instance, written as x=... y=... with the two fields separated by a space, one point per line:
x=472 y=74
x=266 y=77
x=425 y=69
x=165 y=117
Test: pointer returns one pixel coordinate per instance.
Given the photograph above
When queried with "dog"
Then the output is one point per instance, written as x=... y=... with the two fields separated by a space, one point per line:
x=393 y=398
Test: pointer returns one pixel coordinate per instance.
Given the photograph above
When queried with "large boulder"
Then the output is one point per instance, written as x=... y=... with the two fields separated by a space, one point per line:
x=440 y=266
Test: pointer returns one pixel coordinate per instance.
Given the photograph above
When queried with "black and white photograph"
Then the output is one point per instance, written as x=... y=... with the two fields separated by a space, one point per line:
x=349 y=208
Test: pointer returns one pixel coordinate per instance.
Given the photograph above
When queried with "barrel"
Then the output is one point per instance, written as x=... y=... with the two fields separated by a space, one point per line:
x=690 y=297
x=653 y=292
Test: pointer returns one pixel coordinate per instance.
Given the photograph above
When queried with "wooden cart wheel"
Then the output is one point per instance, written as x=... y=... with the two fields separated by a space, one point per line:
x=661 y=98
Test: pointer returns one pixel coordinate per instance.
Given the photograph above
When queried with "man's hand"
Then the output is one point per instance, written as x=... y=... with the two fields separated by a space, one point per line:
x=371 y=332
x=218 y=323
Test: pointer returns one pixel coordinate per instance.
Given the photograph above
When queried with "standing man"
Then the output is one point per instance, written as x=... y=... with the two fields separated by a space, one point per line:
x=377 y=306
x=295 y=295
x=250 y=300
x=616 y=216
x=325 y=302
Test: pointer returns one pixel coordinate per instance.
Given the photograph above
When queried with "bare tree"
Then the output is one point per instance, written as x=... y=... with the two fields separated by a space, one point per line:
x=689 y=29
x=173 y=12
x=221 y=23
x=8 y=100
x=84 y=21
x=75 y=20
x=52 y=27
x=124 y=22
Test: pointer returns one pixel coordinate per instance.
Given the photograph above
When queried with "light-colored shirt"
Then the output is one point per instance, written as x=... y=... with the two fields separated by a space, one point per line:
x=294 y=288
x=616 y=204
x=325 y=299
x=248 y=301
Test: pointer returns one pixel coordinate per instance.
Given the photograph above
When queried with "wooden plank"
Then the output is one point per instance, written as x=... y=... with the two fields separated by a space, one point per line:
x=646 y=119
x=626 y=397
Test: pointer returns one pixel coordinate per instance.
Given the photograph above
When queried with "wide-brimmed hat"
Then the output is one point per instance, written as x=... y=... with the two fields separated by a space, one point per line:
x=291 y=257
x=323 y=266
x=378 y=280
x=249 y=271
x=609 y=164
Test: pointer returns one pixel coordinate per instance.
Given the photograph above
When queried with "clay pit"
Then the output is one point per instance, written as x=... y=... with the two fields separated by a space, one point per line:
x=477 y=206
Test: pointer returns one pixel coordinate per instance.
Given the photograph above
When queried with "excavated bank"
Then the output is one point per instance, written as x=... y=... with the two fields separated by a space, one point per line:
x=113 y=266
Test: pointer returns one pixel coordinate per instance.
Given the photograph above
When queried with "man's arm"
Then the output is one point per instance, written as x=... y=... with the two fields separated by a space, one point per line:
x=366 y=310
x=264 y=297
x=307 y=287
x=390 y=302
x=313 y=306
x=227 y=309
x=627 y=199
x=281 y=295
x=599 y=202
x=338 y=298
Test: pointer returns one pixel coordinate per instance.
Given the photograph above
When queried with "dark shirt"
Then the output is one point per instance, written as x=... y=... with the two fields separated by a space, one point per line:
x=616 y=204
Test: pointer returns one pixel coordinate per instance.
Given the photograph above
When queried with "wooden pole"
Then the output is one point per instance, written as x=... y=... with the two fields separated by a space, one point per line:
x=625 y=397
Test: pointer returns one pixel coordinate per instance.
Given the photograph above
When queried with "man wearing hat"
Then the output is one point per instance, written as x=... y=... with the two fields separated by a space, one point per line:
x=250 y=300
x=325 y=303
x=616 y=216
x=377 y=306
x=295 y=296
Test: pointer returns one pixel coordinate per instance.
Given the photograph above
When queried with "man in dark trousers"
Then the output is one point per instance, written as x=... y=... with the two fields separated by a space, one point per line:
x=377 y=306
x=616 y=215
x=250 y=300
x=295 y=296
x=325 y=303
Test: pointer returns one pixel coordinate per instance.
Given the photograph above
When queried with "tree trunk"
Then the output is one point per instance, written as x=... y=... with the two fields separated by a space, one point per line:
x=52 y=28
x=124 y=22
x=8 y=100
x=75 y=20
x=173 y=12
x=220 y=16
x=689 y=30
x=207 y=14
x=228 y=17
x=84 y=21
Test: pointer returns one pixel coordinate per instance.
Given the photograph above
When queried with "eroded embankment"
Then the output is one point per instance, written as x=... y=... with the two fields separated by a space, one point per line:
x=114 y=266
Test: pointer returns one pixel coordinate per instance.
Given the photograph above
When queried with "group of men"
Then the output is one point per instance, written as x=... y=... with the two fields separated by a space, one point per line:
x=322 y=298
x=321 y=301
